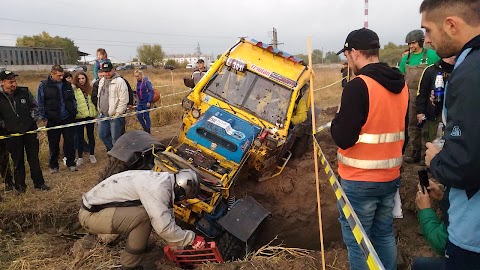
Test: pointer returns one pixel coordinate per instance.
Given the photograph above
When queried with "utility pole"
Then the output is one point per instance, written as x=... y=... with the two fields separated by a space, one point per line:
x=365 y=23
x=197 y=50
x=275 y=42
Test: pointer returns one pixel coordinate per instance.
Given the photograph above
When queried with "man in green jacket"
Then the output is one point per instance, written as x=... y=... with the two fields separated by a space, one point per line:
x=412 y=66
x=433 y=229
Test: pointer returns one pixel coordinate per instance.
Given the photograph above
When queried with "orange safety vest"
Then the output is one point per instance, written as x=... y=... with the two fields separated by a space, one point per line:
x=377 y=155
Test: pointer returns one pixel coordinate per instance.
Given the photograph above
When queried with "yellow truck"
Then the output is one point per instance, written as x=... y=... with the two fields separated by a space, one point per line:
x=246 y=117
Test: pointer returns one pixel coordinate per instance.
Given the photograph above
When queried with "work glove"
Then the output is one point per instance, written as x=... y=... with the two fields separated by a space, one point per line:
x=199 y=242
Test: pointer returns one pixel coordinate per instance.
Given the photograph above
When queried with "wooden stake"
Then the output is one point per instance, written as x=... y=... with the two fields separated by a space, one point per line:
x=315 y=152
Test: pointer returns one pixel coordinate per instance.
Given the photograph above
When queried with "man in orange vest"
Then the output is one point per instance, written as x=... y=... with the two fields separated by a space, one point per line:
x=369 y=128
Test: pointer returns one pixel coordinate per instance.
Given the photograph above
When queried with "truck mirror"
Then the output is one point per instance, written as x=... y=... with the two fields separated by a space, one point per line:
x=189 y=82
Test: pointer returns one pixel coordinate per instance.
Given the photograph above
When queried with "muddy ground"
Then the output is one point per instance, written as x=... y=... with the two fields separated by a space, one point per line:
x=31 y=239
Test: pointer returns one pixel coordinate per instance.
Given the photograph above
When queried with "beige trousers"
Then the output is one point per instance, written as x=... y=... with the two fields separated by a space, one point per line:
x=132 y=222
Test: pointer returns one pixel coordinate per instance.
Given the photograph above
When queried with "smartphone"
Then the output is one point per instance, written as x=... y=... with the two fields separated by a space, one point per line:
x=423 y=178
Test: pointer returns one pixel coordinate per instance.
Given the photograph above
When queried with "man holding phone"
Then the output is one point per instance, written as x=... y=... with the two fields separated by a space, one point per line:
x=433 y=229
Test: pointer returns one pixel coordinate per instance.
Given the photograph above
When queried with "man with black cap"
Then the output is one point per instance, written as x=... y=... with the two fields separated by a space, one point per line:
x=199 y=71
x=112 y=102
x=19 y=113
x=369 y=128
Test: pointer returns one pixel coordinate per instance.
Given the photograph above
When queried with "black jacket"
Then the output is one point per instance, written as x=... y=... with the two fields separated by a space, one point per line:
x=458 y=164
x=348 y=122
x=52 y=102
x=427 y=84
x=17 y=111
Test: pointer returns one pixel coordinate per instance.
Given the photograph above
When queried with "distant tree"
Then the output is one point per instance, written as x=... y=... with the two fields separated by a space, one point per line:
x=150 y=54
x=317 y=56
x=332 y=57
x=392 y=53
x=303 y=57
x=171 y=62
x=47 y=41
x=135 y=59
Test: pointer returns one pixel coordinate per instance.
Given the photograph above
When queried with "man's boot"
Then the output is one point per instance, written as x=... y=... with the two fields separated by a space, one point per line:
x=414 y=158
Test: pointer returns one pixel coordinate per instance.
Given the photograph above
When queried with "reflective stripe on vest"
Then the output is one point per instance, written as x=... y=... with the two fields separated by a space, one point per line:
x=381 y=138
x=370 y=164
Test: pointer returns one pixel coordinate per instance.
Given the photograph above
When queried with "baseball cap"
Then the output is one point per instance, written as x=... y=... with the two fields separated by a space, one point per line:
x=361 y=39
x=106 y=66
x=200 y=61
x=7 y=75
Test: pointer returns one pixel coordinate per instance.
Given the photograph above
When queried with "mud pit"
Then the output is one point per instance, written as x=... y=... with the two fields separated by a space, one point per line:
x=29 y=237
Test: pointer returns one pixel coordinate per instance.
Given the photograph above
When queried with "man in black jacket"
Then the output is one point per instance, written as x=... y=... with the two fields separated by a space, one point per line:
x=453 y=29
x=18 y=110
x=425 y=108
x=57 y=105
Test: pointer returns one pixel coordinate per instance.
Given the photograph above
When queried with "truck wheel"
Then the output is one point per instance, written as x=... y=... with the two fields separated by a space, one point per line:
x=113 y=166
x=231 y=247
x=301 y=146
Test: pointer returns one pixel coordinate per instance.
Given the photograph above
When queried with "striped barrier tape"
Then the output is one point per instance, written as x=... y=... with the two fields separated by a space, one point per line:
x=87 y=121
x=371 y=256
x=324 y=126
x=330 y=85
x=174 y=94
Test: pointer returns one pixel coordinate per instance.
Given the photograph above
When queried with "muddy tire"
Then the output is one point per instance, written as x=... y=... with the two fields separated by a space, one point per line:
x=113 y=166
x=301 y=146
x=231 y=247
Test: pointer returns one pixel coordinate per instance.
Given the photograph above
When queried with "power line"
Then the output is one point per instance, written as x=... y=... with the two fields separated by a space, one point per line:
x=103 y=40
x=111 y=30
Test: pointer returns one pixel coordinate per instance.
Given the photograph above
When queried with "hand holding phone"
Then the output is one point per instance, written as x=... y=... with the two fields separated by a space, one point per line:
x=423 y=178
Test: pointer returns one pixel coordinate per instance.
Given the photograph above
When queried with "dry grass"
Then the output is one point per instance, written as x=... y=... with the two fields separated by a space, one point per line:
x=29 y=223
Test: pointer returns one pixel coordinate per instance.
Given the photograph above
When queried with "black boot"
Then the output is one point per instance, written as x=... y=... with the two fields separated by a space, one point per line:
x=414 y=158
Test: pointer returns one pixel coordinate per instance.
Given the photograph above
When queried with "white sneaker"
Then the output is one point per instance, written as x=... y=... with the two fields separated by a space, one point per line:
x=72 y=168
x=65 y=161
x=93 y=159
x=79 y=161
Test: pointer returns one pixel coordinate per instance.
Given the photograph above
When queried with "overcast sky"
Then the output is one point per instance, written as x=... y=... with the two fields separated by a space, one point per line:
x=178 y=25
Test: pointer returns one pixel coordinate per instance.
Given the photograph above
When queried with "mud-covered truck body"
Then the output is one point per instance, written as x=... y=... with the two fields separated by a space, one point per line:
x=237 y=121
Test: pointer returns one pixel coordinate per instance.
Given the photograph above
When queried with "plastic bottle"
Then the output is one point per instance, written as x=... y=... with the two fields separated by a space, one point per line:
x=440 y=140
x=439 y=90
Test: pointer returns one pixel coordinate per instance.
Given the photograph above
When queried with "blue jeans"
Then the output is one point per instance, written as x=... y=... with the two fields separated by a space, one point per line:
x=373 y=203
x=110 y=130
x=143 y=118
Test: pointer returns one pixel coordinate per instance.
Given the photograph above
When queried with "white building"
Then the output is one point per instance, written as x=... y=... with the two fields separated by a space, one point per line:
x=190 y=58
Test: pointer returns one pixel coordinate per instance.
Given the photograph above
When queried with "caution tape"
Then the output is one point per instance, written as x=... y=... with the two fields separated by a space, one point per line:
x=174 y=94
x=87 y=121
x=330 y=85
x=324 y=126
x=371 y=256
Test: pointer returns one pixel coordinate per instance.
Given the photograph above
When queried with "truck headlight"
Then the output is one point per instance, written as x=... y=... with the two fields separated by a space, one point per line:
x=195 y=113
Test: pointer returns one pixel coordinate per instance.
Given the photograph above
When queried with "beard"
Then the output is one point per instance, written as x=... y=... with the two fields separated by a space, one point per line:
x=445 y=48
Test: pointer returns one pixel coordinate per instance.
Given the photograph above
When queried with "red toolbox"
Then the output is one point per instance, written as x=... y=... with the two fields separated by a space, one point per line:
x=190 y=258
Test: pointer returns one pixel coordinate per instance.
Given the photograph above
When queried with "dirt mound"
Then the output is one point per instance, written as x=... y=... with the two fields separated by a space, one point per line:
x=291 y=198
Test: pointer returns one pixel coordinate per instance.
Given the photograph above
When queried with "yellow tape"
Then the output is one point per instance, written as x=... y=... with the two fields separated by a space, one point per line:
x=86 y=122
x=373 y=261
x=346 y=211
x=358 y=234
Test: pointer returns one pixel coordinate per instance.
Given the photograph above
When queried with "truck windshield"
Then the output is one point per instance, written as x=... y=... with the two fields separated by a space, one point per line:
x=266 y=99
